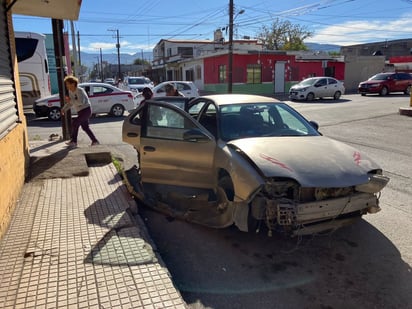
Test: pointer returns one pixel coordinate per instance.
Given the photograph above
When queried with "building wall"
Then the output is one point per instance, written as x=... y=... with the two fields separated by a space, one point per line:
x=14 y=150
x=360 y=68
x=295 y=71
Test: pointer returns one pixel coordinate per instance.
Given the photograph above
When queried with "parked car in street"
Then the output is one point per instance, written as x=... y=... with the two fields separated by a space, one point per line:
x=251 y=161
x=110 y=81
x=385 y=83
x=317 y=87
x=137 y=83
x=104 y=98
x=186 y=88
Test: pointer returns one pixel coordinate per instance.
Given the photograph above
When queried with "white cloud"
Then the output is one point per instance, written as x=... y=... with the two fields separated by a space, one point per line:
x=358 y=32
x=126 y=47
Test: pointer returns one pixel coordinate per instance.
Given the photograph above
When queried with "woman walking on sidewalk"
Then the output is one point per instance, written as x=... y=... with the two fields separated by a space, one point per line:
x=79 y=100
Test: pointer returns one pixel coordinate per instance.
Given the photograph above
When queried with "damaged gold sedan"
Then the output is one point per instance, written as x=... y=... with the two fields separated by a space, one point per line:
x=251 y=161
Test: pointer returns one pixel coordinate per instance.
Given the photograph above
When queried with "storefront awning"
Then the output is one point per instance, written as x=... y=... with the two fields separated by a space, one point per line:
x=57 y=9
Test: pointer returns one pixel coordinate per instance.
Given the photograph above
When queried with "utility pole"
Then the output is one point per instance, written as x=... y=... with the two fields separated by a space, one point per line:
x=101 y=66
x=119 y=73
x=230 y=54
x=78 y=44
x=75 y=64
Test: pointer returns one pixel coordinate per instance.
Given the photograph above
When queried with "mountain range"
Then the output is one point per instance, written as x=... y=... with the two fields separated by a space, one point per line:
x=89 y=60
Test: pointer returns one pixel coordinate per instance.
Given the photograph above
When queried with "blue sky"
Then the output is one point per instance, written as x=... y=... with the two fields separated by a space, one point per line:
x=142 y=24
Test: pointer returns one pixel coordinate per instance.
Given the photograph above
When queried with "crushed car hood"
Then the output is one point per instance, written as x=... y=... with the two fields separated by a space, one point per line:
x=313 y=161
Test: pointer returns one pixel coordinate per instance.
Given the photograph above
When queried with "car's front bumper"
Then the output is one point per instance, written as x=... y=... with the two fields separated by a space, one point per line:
x=295 y=95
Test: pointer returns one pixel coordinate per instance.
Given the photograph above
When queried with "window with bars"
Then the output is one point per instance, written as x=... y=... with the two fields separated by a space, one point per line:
x=254 y=74
x=222 y=74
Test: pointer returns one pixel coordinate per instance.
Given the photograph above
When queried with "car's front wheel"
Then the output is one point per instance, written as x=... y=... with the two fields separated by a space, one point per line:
x=54 y=114
x=226 y=184
x=408 y=90
x=337 y=95
x=310 y=97
x=117 y=110
x=384 y=91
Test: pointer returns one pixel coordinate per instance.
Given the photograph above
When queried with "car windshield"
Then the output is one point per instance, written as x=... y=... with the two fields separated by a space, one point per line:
x=379 y=77
x=136 y=81
x=308 y=82
x=262 y=120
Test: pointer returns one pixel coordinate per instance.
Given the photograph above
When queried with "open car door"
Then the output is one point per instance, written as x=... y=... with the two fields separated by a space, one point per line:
x=175 y=149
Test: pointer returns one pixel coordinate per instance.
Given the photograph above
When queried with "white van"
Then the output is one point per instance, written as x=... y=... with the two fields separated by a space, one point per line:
x=33 y=66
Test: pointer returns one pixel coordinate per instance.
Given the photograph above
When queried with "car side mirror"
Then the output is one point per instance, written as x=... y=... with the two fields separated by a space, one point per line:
x=314 y=124
x=195 y=135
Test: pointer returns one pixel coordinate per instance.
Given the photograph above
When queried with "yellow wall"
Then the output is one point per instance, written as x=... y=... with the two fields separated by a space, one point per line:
x=14 y=155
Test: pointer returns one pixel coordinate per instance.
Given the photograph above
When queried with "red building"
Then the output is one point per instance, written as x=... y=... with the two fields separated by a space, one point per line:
x=267 y=72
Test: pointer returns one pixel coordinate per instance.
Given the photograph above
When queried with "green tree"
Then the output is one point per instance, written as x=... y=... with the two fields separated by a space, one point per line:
x=139 y=61
x=283 y=35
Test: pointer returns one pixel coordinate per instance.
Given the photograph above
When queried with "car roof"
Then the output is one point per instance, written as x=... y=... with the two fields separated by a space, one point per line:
x=225 y=99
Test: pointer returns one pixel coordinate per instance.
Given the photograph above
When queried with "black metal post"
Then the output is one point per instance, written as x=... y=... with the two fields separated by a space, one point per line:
x=57 y=25
x=230 y=54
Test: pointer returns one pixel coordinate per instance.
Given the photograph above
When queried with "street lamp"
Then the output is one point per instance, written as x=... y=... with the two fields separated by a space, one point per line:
x=230 y=54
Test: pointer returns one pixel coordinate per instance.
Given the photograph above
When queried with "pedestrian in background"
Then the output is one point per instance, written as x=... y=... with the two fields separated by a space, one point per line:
x=171 y=91
x=78 y=99
x=147 y=94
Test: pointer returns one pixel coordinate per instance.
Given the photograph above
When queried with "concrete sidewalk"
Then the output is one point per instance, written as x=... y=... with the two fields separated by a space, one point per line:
x=75 y=240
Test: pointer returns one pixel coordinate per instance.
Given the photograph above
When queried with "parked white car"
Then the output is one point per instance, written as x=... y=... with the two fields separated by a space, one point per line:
x=186 y=88
x=317 y=87
x=137 y=83
x=104 y=99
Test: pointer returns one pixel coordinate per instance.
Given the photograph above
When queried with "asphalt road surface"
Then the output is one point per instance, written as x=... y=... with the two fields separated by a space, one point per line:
x=365 y=265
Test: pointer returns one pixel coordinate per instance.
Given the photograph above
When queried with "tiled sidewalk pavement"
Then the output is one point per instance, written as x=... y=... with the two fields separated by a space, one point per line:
x=73 y=244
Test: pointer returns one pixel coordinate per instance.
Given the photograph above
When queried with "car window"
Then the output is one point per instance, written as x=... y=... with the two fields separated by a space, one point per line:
x=208 y=119
x=166 y=123
x=332 y=81
x=261 y=120
x=194 y=109
x=182 y=86
x=100 y=90
x=321 y=82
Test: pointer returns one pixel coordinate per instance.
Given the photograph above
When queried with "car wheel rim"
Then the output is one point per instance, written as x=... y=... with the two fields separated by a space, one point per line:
x=117 y=111
x=54 y=114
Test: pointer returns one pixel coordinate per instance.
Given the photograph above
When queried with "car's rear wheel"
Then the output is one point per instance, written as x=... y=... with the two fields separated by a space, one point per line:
x=310 y=96
x=337 y=95
x=54 y=114
x=408 y=90
x=117 y=110
x=384 y=91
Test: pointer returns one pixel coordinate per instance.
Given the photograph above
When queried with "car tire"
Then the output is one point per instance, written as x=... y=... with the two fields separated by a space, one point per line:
x=54 y=114
x=117 y=110
x=226 y=184
x=408 y=90
x=384 y=91
x=337 y=95
x=310 y=96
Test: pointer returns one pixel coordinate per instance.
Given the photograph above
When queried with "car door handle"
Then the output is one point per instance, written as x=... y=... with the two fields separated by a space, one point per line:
x=131 y=134
x=149 y=148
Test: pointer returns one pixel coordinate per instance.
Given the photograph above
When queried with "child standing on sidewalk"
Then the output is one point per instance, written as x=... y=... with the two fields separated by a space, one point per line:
x=79 y=100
